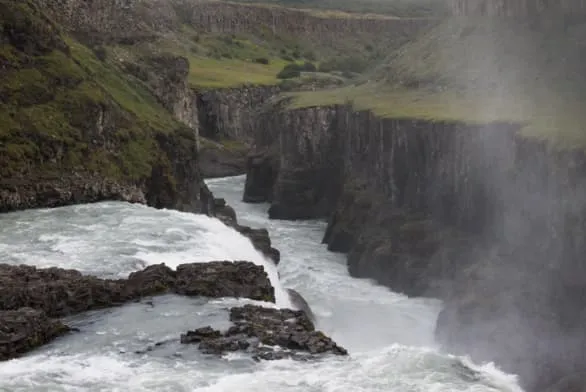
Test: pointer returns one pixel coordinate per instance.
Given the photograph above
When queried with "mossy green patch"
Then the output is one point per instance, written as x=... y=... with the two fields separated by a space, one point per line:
x=214 y=73
x=130 y=95
x=63 y=110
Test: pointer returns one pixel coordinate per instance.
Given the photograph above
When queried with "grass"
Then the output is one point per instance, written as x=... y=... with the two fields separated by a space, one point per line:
x=480 y=71
x=552 y=118
x=63 y=110
x=214 y=73
x=130 y=95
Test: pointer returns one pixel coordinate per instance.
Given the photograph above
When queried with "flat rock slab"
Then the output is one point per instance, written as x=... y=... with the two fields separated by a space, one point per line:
x=267 y=334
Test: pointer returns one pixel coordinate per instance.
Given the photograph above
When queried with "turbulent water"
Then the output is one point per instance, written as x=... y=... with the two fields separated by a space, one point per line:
x=389 y=336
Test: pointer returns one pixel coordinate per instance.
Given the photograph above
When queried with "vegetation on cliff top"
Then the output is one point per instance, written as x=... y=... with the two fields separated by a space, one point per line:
x=64 y=111
x=480 y=70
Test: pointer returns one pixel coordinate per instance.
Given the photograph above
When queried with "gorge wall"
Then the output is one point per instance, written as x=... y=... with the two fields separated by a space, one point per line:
x=477 y=215
x=229 y=113
x=516 y=8
x=139 y=19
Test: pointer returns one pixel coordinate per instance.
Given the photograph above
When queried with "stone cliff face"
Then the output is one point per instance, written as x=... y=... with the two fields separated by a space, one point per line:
x=229 y=113
x=132 y=20
x=517 y=8
x=474 y=214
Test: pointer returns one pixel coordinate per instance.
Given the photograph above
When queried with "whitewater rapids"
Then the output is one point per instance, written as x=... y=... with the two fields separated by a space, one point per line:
x=389 y=336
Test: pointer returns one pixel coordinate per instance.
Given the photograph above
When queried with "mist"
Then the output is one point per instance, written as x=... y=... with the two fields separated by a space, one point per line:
x=524 y=287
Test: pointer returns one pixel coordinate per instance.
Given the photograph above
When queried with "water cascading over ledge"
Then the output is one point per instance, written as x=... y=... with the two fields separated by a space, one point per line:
x=478 y=215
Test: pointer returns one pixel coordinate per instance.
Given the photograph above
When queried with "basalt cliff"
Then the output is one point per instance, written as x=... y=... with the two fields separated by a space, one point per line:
x=477 y=211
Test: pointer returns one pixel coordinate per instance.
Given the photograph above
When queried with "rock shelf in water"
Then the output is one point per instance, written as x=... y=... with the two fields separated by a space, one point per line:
x=259 y=330
x=31 y=300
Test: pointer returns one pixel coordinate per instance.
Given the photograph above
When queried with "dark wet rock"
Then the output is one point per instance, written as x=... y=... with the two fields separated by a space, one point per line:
x=60 y=292
x=262 y=168
x=224 y=279
x=200 y=334
x=224 y=212
x=153 y=279
x=261 y=240
x=25 y=329
x=300 y=303
x=255 y=328
x=30 y=295
x=259 y=237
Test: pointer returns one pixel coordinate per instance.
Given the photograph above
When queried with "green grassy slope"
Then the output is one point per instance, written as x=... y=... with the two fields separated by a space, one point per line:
x=481 y=70
x=57 y=98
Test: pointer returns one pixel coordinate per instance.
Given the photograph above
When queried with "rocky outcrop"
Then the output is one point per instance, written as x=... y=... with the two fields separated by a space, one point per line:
x=259 y=237
x=30 y=297
x=26 y=329
x=166 y=76
x=259 y=330
x=59 y=292
x=477 y=215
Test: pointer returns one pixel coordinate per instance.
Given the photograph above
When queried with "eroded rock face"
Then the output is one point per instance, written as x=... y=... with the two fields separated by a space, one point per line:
x=25 y=329
x=254 y=326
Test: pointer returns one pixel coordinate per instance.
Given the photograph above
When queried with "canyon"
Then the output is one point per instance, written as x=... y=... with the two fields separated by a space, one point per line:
x=475 y=213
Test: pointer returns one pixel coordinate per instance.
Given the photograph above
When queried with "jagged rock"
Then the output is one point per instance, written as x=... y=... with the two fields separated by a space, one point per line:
x=261 y=241
x=259 y=237
x=224 y=279
x=25 y=329
x=256 y=327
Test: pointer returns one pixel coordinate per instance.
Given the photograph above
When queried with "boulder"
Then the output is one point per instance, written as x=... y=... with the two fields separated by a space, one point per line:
x=25 y=329
x=259 y=330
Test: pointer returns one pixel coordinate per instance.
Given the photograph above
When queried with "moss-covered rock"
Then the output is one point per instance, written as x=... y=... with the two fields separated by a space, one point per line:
x=76 y=129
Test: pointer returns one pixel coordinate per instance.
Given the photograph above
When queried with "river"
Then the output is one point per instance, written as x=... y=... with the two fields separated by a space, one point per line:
x=389 y=336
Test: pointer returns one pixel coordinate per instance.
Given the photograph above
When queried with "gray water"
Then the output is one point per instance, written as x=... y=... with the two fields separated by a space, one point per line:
x=389 y=336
